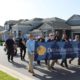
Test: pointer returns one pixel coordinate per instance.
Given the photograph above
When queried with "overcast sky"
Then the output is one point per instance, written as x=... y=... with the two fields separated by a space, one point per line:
x=27 y=9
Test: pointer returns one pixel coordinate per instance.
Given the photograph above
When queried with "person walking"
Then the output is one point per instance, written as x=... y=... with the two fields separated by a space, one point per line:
x=64 y=60
x=51 y=39
x=75 y=39
x=54 y=37
x=10 y=48
x=41 y=39
x=31 y=49
x=22 y=46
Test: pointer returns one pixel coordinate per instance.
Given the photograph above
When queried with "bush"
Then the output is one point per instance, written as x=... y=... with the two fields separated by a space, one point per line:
x=1 y=42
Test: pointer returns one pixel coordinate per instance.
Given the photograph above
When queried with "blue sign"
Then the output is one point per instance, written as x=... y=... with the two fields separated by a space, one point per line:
x=57 y=50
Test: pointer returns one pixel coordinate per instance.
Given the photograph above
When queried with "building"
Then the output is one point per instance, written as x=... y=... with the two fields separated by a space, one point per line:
x=52 y=25
x=25 y=26
x=74 y=22
x=40 y=26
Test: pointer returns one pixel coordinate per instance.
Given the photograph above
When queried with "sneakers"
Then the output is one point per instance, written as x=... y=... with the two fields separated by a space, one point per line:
x=52 y=67
x=30 y=71
x=78 y=63
x=33 y=74
x=62 y=65
x=69 y=61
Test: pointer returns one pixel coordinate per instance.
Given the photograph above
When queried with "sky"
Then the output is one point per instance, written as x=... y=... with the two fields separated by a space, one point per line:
x=28 y=9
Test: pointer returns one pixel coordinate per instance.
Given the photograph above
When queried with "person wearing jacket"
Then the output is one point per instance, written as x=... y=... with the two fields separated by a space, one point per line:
x=64 y=60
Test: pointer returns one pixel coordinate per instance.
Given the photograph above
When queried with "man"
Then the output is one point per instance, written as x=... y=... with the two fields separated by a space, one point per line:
x=54 y=37
x=64 y=60
x=41 y=39
x=51 y=39
x=31 y=49
x=10 y=48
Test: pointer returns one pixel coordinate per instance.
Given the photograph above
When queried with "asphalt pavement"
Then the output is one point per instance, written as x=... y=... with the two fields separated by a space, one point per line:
x=42 y=73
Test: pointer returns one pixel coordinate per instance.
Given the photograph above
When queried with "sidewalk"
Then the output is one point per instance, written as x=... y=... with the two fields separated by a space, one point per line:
x=14 y=73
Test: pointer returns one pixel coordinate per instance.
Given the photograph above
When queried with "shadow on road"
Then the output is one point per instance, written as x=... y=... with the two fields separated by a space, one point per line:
x=73 y=73
x=18 y=65
x=59 y=74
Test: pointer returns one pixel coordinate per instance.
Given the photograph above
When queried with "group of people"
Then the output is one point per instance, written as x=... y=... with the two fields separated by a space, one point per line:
x=30 y=45
x=11 y=48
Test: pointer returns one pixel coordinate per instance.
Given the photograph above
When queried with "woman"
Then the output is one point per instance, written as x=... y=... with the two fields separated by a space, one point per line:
x=22 y=46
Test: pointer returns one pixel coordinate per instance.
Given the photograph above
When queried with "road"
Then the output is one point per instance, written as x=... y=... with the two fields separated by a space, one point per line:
x=42 y=73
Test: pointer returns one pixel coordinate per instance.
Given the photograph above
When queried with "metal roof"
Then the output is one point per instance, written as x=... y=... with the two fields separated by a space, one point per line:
x=74 y=20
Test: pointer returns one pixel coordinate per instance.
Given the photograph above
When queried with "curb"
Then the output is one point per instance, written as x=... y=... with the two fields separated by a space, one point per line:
x=14 y=73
